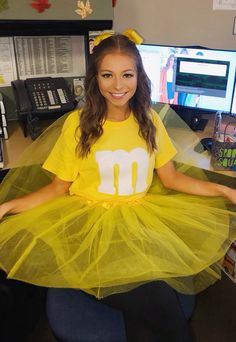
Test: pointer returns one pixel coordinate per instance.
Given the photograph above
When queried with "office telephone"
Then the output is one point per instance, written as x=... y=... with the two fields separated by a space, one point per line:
x=41 y=98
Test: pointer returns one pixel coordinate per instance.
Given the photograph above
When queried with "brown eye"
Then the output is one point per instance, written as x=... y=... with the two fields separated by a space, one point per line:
x=106 y=75
x=128 y=75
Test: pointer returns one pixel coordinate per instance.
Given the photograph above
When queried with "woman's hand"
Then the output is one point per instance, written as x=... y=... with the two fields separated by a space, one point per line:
x=230 y=194
x=4 y=209
x=56 y=188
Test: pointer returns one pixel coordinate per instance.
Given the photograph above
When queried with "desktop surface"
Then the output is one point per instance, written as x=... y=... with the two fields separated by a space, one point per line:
x=17 y=143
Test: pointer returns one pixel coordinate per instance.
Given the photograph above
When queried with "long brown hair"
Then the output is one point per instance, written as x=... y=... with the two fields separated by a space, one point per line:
x=93 y=114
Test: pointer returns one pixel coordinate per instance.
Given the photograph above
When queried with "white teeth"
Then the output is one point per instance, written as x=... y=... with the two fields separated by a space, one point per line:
x=118 y=95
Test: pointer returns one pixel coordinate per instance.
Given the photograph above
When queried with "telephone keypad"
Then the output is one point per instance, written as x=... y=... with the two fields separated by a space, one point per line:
x=48 y=94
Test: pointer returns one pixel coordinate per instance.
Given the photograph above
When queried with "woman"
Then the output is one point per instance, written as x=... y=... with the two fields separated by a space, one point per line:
x=103 y=224
x=167 y=92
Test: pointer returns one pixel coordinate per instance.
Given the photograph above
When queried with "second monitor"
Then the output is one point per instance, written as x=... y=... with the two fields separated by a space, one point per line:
x=192 y=80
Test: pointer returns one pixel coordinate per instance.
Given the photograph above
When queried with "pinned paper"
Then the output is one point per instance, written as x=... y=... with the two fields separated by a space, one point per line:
x=40 y=5
x=84 y=9
x=3 y=5
x=2 y=81
x=224 y=5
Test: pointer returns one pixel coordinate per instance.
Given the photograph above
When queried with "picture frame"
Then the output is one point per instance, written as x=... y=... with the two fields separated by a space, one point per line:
x=78 y=84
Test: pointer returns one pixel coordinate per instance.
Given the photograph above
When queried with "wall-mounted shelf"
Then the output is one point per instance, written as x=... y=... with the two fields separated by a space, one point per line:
x=51 y=27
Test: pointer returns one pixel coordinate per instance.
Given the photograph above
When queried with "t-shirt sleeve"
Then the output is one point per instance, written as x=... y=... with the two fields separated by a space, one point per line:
x=62 y=160
x=165 y=148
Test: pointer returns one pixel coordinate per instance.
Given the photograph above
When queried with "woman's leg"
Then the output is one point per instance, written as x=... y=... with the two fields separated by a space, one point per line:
x=152 y=314
x=155 y=306
x=76 y=316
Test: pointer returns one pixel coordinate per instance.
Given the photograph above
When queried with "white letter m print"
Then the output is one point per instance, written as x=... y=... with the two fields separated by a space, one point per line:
x=125 y=160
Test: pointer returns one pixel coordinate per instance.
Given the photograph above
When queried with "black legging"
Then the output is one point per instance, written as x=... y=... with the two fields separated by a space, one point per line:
x=152 y=313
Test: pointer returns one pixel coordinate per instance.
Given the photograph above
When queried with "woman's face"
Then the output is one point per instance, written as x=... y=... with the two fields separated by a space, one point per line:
x=117 y=79
x=171 y=61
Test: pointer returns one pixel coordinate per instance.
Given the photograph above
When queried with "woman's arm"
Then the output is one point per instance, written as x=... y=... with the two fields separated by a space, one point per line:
x=175 y=180
x=55 y=189
x=163 y=93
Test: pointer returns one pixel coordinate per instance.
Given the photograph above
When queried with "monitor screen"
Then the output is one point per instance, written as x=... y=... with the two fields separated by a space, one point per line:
x=198 y=78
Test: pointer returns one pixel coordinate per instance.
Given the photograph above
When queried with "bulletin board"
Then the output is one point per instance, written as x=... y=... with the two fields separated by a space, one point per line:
x=56 y=10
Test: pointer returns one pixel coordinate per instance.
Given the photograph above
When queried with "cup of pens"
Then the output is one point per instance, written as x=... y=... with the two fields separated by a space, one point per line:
x=223 y=155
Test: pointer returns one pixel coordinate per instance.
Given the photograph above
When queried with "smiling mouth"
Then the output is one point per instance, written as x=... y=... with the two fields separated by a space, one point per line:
x=117 y=95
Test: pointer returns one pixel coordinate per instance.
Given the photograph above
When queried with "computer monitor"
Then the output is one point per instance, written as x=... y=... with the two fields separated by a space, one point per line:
x=193 y=80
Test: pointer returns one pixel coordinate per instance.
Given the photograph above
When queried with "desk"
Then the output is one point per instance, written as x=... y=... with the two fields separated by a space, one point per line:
x=184 y=140
x=16 y=144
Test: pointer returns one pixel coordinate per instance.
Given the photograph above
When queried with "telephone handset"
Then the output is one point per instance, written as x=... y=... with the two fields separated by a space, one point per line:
x=41 y=98
x=23 y=103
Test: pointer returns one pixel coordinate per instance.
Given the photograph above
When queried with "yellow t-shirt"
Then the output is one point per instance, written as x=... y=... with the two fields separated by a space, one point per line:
x=119 y=164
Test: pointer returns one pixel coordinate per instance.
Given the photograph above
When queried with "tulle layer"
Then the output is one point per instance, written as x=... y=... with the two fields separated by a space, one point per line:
x=111 y=247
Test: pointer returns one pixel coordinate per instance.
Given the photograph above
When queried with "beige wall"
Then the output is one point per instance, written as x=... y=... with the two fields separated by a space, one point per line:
x=177 y=22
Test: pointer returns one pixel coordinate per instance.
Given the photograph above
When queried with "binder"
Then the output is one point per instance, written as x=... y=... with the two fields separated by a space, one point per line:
x=1 y=154
x=3 y=120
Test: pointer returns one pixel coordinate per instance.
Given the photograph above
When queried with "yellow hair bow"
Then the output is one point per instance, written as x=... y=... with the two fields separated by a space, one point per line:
x=130 y=33
x=102 y=36
x=133 y=36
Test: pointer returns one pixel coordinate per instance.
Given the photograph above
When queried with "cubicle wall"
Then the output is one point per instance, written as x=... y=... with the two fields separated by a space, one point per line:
x=182 y=22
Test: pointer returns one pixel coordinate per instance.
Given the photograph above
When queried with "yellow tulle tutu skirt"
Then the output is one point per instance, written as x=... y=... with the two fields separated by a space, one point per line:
x=105 y=248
